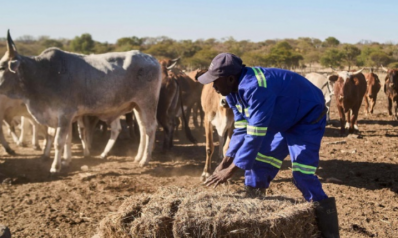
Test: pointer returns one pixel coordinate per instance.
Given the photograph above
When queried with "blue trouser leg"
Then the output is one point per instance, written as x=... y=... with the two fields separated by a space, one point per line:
x=268 y=163
x=304 y=141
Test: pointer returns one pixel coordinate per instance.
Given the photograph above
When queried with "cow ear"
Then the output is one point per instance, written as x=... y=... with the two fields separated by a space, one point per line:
x=356 y=81
x=13 y=65
x=333 y=78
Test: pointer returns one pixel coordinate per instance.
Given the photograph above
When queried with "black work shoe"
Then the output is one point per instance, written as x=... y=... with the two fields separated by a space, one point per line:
x=326 y=216
x=254 y=192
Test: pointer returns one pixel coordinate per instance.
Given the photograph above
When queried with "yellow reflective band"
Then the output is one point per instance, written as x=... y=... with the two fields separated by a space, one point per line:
x=241 y=124
x=239 y=108
x=262 y=82
x=270 y=160
x=305 y=169
x=256 y=131
x=247 y=112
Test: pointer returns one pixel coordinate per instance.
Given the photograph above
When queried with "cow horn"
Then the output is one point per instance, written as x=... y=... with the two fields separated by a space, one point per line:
x=175 y=60
x=357 y=72
x=11 y=49
x=384 y=69
x=171 y=66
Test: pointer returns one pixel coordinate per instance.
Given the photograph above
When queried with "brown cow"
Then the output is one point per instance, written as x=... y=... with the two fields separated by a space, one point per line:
x=220 y=116
x=349 y=90
x=169 y=102
x=373 y=87
x=391 y=90
x=191 y=91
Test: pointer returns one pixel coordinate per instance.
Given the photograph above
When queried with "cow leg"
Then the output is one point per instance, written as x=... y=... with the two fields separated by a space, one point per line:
x=373 y=104
x=21 y=138
x=59 y=142
x=49 y=141
x=209 y=150
x=342 y=120
x=3 y=140
x=115 y=131
x=195 y=114
x=35 y=128
x=354 y=125
x=11 y=130
x=348 y=122
x=328 y=112
x=147 y=121
x=396 y=110
x=366 y=105
x=82 y=129
x=389 y=106
x=68 y=148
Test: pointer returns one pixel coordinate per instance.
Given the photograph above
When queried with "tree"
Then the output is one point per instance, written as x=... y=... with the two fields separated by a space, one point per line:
x=283 y=56
x=350 y=54
x=83 y=44
x=332 y=58
x=380 y=58
x=331 y=42
x=312 y=57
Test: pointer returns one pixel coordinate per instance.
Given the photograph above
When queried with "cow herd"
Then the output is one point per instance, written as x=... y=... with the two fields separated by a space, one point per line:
x=57 y=88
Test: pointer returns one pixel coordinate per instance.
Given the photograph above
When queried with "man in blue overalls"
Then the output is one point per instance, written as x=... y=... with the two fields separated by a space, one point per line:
x=277 y=112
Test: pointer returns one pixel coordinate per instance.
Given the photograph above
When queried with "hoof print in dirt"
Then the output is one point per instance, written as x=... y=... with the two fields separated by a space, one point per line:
x=4 y=231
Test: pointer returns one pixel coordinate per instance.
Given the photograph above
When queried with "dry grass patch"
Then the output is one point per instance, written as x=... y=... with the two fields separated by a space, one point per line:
x=177 y=212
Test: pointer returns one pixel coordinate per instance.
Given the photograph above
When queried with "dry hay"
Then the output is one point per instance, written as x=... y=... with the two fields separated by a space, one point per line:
x=177 y=212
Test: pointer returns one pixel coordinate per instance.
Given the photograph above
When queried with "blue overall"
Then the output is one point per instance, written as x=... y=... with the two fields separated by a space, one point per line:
x=277 y=112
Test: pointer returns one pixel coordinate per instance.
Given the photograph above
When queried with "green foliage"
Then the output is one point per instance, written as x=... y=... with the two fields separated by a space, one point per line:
x=350 y=54
x=331 y=42
x=83 y=44
x=380 y=58
x=332 y=58
x=287 y=53
x=393 y=65
x=283 y=56
x=47 y=43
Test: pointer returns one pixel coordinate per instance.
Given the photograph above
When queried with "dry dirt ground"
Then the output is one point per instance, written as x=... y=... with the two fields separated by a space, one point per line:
x=362 y=174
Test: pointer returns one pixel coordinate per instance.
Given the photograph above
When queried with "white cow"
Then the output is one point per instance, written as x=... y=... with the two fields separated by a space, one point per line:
x=324 y=84
x=59 y=87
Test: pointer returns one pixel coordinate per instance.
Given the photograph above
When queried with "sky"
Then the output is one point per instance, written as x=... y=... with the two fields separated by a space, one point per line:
x=350 y=21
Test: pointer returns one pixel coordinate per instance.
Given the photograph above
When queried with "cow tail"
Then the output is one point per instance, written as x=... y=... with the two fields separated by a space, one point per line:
x=188 y=132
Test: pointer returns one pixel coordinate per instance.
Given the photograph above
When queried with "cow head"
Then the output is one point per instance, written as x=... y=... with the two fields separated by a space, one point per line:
x=9 y=67
x=374 y=85
x=343 y=83
x=391 y=85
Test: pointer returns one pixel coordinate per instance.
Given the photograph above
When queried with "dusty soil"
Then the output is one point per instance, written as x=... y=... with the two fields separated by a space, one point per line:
x=362 y=174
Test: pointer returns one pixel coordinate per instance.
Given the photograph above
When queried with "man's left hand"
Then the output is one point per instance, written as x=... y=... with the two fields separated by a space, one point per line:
x=221 y=176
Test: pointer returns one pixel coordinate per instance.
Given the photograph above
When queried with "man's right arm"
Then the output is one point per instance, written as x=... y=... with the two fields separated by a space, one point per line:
x=239 y=132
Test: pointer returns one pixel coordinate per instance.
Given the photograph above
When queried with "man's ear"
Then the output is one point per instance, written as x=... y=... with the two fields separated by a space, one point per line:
x=13 y=65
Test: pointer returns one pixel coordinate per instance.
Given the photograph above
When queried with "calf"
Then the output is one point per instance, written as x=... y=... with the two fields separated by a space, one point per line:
x=373 y=87
x=391 y=90
x=349 y=90
x=220 y=116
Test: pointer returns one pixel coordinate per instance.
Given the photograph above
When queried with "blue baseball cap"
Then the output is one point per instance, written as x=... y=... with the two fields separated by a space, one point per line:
x=224 y=64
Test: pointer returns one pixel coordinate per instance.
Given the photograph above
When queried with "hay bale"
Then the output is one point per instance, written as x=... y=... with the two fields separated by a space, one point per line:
x=176 y=212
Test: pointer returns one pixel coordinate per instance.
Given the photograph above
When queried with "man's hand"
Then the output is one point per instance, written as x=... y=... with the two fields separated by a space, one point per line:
x=221 y=176
x=225 y=163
